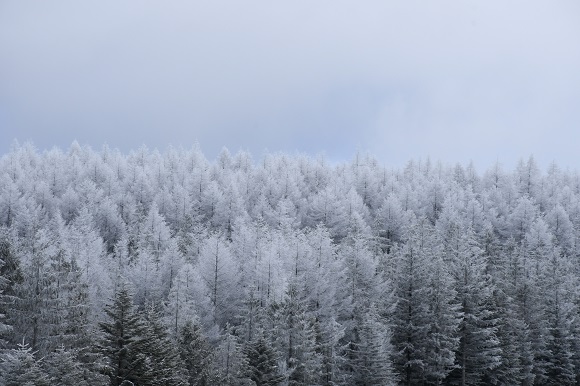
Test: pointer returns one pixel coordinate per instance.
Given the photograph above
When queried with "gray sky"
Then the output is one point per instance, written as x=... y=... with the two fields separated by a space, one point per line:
x=453 y=80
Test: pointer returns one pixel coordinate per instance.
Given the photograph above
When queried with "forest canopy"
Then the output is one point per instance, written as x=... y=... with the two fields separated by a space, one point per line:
x=166 y=268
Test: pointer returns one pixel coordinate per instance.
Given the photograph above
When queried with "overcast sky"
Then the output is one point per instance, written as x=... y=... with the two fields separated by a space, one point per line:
x=454 y=80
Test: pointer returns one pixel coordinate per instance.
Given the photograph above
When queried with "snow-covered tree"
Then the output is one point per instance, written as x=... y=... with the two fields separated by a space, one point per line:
x=20 y=367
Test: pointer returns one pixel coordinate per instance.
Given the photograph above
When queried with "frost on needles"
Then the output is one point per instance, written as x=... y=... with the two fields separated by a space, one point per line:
x=168 y=269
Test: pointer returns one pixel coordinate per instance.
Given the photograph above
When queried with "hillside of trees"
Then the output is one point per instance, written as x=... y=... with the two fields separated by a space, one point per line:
x=164 y=268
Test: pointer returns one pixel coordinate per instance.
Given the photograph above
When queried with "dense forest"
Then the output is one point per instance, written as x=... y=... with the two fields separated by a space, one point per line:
x=168 y=269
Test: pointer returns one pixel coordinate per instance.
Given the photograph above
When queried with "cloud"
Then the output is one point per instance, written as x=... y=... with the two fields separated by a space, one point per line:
x=410 y=77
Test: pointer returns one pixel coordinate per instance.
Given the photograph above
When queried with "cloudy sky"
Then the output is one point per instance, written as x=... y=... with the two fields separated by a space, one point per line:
x=452 y=80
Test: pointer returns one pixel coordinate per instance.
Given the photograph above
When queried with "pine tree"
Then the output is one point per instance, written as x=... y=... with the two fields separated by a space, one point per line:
x=324 y=284
x=78 y=330
x=390 y=220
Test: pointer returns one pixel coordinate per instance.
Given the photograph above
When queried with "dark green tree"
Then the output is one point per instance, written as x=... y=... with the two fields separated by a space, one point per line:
x=230 y=364
x=164 y=365
x=196 y=354
x=263 y=363
x=124 y=342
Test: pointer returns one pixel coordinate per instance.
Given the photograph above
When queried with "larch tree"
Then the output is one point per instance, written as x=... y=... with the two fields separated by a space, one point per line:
x=180 y=306
x=217 y=271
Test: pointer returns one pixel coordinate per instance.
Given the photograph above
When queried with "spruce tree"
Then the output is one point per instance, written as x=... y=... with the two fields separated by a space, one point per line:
x=164 y=365
x=124 y=341
x=5 y=288
x=478 y=351
x=560 y=309
x=426 y=315
x=64 y=368
x=263 y=362
x=19 y=367
x=39 y=307
x=443 y=320
x=195 y=352
x=372 y=360
x=230 y=364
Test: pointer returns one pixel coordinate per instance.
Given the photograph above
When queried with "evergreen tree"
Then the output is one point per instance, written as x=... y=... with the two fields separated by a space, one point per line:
x=371 y=362
x=10 y=268
x=78 y=330
x=426 y=316
x=9 y=273
x=40 y=300
x=410 y=316
x=332 y=265
x=64 y=368
x=164 y=364
x=443 y=319
x=263 y=363
x=364 y=288
x=531 y=286
x=124 y=342
x=560 y=310
x=478 y=351
x=230 y=364
x=19 y=367
x=196 y=354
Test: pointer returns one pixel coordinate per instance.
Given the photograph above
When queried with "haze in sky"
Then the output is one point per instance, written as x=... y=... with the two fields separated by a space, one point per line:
x=453 y=80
